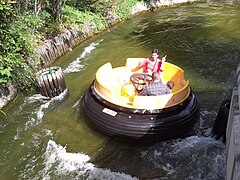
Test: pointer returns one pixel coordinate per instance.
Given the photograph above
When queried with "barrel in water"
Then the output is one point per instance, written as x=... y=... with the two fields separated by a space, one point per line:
x=220 y=124
x=51 y=81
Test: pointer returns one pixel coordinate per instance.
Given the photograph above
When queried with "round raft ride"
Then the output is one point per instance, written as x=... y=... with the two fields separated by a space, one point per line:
x=114 y=107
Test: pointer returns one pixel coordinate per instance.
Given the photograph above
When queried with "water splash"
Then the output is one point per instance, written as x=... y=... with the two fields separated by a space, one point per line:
x=205 y=123
x=60 y=163
x=35 y=98
x=184 y=159
x=39 y=112
x=32 y=162
x=76 y=65
x=77 y=103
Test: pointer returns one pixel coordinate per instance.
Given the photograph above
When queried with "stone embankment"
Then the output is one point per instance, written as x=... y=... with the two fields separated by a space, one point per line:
x=52 y=49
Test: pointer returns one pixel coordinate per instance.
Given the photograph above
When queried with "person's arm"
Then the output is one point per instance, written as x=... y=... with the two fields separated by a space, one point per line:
x=141 y=64
x=164 y=58
x=161 y=64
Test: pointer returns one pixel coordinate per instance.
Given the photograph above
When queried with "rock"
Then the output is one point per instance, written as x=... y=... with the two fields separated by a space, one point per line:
x=7 y=93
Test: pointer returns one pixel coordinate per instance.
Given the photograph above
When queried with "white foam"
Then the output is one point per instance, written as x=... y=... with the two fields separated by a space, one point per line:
x=76 y=104
x=76 y=65
x=33 y=121
x=191 y=157
x=60 y=163
x=35 y=98
x=40 y=112
x=204 y=125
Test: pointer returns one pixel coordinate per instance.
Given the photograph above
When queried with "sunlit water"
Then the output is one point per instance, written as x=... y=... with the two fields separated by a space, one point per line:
x=42 y=139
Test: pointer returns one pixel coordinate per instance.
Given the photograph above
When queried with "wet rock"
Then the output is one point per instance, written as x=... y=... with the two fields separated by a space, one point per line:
x=7 y=93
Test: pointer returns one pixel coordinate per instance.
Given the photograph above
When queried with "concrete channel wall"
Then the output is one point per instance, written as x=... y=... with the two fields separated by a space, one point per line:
x=233 y=134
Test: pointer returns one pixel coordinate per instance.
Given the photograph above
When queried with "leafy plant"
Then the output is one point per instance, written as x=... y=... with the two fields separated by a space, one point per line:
x=5 y=71
x=103 y=6
x=124 y=9
x=73 y=16
x=18 y=57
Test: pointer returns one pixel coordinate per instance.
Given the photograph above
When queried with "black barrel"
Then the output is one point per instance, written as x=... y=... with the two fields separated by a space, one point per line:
x=220 y=124
x=51 y=81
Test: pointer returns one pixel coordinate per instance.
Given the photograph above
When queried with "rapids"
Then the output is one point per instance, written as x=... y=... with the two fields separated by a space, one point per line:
x=42 y=139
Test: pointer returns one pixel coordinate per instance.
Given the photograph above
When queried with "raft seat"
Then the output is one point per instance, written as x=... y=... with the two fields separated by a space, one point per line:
x=175 y=74
x=113 y=84
x=107 y=83
x=132 y=63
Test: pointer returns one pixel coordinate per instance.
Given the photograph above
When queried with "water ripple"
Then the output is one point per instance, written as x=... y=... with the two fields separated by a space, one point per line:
x=76 y=65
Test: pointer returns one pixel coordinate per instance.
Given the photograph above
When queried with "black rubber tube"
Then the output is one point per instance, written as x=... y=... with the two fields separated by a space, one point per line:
x=138 y=124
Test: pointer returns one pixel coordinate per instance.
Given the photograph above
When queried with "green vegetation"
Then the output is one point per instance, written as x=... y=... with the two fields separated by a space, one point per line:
x=124 y=9
x=23 y=24
x=73 y=16
x=17 y=43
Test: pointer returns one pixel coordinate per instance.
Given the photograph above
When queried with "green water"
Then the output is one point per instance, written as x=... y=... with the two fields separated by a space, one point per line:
x=202 y=38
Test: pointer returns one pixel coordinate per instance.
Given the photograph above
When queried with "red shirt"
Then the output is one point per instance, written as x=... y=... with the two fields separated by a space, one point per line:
x=156 y=67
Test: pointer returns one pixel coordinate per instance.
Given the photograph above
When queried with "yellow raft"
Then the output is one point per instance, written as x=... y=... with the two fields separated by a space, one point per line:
x=114 y=107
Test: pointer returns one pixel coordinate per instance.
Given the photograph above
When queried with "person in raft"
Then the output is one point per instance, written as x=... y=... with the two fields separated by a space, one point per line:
x=153 y=63
x=156 y=87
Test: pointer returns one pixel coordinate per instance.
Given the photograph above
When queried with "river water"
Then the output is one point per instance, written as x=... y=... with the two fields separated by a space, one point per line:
x=42 y=139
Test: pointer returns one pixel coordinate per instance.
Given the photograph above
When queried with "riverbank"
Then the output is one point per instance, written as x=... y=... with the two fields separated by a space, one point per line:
x=51 y=49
